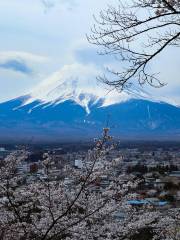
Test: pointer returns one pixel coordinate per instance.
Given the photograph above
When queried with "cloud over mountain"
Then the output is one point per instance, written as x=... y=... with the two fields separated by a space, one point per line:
x=16 y=65
x=19 y=61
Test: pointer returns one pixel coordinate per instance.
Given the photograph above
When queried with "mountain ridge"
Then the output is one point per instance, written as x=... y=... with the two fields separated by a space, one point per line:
x=67 y=107
x=66 y=121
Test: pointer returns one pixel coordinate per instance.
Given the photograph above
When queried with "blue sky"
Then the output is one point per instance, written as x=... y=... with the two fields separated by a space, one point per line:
x=40 y=37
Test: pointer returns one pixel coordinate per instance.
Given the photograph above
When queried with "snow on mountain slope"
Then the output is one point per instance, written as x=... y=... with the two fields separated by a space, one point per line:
x=133 y=119
x=78 y=83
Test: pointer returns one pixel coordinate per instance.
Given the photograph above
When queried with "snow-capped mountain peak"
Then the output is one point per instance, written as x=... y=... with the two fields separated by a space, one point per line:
x=78 y=83
x=54 y=111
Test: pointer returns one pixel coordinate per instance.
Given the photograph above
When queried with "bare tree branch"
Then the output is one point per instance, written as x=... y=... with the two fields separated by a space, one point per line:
x=136 y=38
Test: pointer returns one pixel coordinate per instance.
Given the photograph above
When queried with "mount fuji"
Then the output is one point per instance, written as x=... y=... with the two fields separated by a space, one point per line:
x=66 y=107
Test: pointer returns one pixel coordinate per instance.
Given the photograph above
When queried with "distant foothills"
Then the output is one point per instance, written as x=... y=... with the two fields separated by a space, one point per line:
x=22 y=120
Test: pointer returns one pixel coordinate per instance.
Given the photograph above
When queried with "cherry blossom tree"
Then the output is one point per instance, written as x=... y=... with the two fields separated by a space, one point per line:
x=51 y=209
x=84 y=207
x=136 y=32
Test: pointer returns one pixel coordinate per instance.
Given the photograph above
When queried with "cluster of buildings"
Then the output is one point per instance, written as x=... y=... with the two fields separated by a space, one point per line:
x=159 y=171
